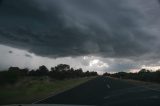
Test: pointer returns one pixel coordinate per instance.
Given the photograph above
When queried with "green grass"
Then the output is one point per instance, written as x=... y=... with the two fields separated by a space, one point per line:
x=29 y=90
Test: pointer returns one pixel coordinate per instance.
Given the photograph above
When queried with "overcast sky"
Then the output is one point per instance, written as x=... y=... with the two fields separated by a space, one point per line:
x=100 y=35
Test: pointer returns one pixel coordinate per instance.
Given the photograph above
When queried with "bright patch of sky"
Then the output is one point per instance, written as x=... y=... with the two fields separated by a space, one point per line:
x=23 y=59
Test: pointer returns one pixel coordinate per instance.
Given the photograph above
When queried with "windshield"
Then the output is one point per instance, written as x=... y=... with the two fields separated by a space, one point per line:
x=80 y=52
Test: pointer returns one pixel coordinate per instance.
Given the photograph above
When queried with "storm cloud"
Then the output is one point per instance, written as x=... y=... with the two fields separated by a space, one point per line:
x=71 y=28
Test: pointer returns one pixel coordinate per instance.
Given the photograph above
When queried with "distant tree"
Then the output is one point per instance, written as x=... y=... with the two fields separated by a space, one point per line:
x=106 y=74
x=62 y=67
x=25 y=71
x=17 y=71
x=79 y=72
x=87 y=74
x=158 y=70
x=93 y=73
x=61 y=71
x=14 y=69
x=42 y=71
x=143 y=74
x=71 y=73
x=32 y=73
x=143 y=71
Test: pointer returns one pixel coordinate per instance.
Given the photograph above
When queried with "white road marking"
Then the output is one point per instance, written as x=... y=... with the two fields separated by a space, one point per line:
x=154 y=97
x=158 y=90
x=105 y=79
x=153 y=89
x=106 y=97
x=108 y=86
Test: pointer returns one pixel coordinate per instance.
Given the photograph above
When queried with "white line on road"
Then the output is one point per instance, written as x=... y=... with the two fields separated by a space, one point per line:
x=151 y=88
x=106 y=97
x=154 y=97
x=108 y=86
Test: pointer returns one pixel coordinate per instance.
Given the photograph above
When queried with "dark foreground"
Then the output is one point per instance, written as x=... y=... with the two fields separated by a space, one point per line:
x=104 y=91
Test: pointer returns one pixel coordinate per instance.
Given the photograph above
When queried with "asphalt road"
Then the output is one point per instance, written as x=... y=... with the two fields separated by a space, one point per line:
x=105 y=91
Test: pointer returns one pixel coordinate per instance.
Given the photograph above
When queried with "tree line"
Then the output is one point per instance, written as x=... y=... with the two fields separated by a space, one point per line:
x=59 y=72
x=142 y=75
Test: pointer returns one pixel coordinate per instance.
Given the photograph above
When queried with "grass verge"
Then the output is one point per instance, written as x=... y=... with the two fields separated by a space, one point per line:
x=29 y=90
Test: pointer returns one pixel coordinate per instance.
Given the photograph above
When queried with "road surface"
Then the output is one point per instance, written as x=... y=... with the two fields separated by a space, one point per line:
x=105 y=91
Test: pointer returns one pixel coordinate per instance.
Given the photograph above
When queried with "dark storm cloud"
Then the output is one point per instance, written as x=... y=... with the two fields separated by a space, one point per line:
x=59 y=28
x=10 y=52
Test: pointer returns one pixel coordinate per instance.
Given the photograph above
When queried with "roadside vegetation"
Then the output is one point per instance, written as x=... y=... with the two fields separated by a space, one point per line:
x=142 y=75
x=59 y=72
x=27 y=86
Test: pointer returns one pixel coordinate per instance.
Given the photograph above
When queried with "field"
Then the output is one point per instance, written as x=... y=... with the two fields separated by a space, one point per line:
x=31 y=89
